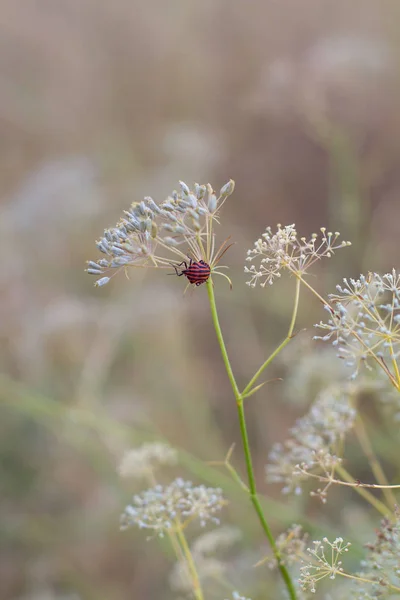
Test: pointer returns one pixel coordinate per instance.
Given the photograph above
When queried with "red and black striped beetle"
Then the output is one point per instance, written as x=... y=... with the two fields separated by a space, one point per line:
x=197 y=272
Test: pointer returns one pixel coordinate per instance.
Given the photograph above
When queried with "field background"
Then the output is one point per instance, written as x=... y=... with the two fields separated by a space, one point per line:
x=102 y=103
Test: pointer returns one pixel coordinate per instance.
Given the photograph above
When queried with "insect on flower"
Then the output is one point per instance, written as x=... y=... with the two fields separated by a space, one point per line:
x=197 y=272
x=159 y=236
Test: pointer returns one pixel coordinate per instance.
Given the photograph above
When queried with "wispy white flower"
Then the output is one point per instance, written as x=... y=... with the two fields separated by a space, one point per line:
x=143 y=461
x=284 y=250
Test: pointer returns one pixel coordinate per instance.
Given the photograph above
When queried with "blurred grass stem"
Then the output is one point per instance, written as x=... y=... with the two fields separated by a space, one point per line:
x=197 y=591
x=246 y=446
x=365 y=443
x=375 y=502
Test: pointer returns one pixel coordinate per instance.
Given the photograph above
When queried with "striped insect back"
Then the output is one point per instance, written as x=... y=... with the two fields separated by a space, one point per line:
x=197 y=272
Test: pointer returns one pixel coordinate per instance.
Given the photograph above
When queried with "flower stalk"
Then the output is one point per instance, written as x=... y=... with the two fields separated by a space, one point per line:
x=246 y=446
x=197 y=590
x=247 y=389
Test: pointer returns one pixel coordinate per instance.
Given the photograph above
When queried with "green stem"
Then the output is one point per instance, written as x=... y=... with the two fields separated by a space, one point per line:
x=281 y=346
x=246 y=446
x=198 y=592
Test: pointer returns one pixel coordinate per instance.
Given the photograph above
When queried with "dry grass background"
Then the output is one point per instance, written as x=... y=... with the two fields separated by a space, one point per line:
x=100 y=104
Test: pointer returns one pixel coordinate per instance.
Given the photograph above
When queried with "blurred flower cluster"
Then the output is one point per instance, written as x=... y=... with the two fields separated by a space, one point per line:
x=143 y=461
x=382 y=565
x=237 y=596
x=315 y=443
x=166 y=508
x=161 y=235
x=364 y=323
x=285 y=250
x=292 y=545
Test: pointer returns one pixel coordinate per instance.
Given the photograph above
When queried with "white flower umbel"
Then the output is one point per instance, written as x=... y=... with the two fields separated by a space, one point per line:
x=160 y=235
x=323 y=564
x=284 y=250
x=167 y=508
x=364 y=323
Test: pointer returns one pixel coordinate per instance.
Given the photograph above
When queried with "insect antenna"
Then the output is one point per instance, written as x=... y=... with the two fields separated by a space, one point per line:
x=221 y=250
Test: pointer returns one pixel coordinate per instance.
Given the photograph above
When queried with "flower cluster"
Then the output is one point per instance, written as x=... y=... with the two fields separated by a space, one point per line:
x=364 y=322
x=322 y=565
x=316 y=439
x=292 y=545
x=165 y=508
x=285 y=250
x=143 y=461
x=203 y=551
x=382 y=565
x=161 y=235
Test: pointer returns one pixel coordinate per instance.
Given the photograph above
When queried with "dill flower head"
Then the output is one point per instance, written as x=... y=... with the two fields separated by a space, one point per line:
x=164 y=508
x=161 y=235
x=285 y=250
x=323 y=564
x=315 y=443
x=143 y=461
x=364 y=323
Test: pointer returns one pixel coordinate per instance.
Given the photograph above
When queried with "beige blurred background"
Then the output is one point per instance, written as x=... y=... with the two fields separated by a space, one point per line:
x=102 y=103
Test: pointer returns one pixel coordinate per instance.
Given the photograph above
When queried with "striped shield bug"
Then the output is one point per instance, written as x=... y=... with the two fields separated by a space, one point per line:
x=197 y=272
